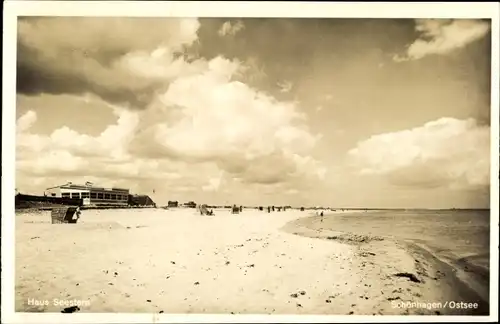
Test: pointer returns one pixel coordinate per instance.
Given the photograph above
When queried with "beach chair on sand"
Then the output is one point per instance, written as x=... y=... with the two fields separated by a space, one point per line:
x=65 y=215
x=204 y=210
x=235 y=210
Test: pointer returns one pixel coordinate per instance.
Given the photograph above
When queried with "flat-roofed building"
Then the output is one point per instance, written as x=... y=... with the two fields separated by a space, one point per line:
x=90 y=194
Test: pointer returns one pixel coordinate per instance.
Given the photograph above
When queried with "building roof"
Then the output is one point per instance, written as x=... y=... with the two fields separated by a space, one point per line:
x=71 y=185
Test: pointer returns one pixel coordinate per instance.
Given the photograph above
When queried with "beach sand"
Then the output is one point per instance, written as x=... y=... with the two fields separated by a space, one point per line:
x=176 y=261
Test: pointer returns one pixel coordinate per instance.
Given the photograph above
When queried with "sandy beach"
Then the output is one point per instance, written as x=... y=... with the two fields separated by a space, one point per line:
x=176 y=261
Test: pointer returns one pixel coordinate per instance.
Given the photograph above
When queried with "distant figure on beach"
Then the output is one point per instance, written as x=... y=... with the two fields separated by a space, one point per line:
x=241 y=209
x=272 y=208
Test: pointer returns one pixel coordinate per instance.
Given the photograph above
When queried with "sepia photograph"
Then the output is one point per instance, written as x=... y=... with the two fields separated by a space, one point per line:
x=238 y=165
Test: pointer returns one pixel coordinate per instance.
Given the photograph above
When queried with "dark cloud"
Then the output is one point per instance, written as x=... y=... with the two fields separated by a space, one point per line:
x=34 y=77
x=82 y=55
x=290 y=48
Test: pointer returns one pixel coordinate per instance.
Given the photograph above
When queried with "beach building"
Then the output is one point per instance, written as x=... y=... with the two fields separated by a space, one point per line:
x=173 y=204
x=91 y=195
x=190 y=204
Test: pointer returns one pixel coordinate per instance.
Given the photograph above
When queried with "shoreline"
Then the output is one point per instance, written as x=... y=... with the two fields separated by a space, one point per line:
x=474 y=277
x=428 y=267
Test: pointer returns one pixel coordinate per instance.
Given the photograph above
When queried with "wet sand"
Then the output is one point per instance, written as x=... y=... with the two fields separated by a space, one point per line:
x=176 y=261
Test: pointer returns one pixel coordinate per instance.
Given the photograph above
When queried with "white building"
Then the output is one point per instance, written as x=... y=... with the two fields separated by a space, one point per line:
x=91 y=195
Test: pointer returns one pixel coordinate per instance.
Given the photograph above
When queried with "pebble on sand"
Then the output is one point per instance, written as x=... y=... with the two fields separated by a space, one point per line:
x=71 y=309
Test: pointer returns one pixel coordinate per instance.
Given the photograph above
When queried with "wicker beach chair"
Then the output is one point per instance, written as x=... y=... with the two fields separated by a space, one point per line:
x=204 y=210
x=65 y=215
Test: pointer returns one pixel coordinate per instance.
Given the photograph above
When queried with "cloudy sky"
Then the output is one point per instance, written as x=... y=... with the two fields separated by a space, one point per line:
x=336 y=112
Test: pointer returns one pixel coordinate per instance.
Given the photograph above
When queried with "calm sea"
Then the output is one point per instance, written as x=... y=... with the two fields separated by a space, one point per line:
x=450 y=234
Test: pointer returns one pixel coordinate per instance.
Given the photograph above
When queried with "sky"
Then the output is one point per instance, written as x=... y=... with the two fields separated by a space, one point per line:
x=375 y=113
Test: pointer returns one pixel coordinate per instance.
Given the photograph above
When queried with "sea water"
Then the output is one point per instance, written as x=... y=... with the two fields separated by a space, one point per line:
x=448 y=233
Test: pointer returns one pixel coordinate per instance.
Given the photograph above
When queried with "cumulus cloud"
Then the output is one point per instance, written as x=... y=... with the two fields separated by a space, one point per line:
x=443 y=36
x=66 y=150
x=446 y=152
x=198 y=122
x=210 y=117
x=111 y=142
x=109 y=57
x=26 y=121
x=204 y=117
x=66 y=155
x=228 y=28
